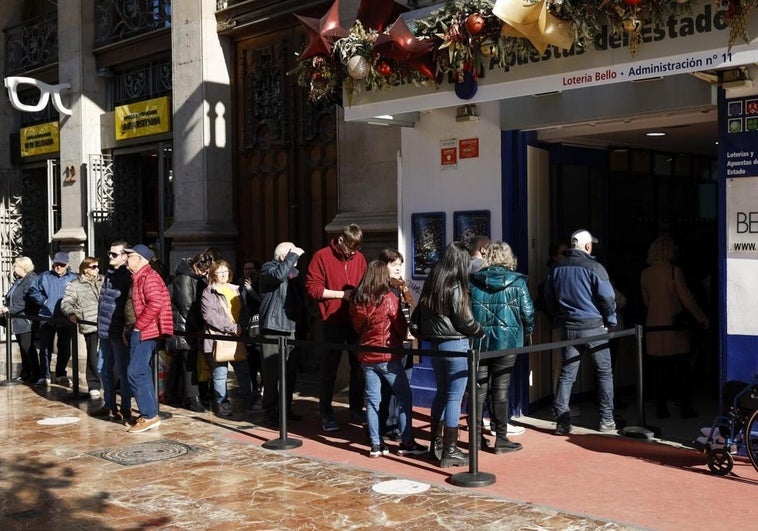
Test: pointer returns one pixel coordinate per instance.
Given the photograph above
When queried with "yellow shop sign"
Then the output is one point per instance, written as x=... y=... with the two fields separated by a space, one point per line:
x=143 y=118
x=40 y=139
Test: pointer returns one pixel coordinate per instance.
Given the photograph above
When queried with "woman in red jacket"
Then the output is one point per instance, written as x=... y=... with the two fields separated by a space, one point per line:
x=376 y=316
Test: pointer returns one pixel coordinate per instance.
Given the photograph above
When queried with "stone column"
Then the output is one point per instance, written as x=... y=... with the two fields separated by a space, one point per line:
x=80 y=132
x=204 y=207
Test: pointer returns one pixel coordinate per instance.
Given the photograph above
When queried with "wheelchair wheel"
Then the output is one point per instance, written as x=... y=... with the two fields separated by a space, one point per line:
x=751 y=439
x=720 y=461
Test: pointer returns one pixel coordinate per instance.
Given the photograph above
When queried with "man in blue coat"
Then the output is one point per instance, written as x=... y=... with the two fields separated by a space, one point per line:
x=580 y=294
x=46 y=292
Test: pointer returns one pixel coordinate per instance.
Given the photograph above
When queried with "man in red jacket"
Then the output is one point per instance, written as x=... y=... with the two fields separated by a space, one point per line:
x=152 y=310
x=332 y=274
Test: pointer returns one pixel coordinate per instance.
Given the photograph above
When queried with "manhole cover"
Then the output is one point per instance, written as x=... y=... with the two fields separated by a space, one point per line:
x=145 y=452
x=58 y=421
x=400 y=486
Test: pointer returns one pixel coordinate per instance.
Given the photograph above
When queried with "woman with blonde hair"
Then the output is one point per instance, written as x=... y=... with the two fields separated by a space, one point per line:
x=225 y=313
x=15 y=303
x=79 y=303
x=666 y=297
x=503 y=306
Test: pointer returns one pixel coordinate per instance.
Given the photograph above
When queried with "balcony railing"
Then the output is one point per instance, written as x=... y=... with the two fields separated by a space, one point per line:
x=31 y=45
x=117 y=20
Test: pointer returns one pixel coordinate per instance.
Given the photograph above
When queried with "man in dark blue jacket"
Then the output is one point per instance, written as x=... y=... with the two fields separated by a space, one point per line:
x=281 y=304
x=46 y=292
x=580 y=294
x=114 y=353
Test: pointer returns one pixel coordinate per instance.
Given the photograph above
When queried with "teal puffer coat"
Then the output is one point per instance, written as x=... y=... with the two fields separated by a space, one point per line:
x=503 y=306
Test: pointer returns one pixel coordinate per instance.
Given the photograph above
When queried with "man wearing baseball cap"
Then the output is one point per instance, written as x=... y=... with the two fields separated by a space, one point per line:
x=580 y=294
x=46 y=292
x=152 y=311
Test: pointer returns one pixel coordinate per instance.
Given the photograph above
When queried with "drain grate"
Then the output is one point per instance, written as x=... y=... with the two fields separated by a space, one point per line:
x=145 y=452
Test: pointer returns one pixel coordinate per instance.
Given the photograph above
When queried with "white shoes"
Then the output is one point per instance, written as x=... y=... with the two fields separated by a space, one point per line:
x=94 y=393
x=515 y=430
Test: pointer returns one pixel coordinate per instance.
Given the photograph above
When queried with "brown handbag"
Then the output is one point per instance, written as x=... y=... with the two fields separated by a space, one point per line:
x=224 y=351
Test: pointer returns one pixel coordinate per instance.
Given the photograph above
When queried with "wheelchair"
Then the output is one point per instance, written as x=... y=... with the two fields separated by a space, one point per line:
x=735 y=432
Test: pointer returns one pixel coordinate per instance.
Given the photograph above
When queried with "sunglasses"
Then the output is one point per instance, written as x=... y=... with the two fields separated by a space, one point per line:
x=60 y=265
x=93 y=267
x=114 y=255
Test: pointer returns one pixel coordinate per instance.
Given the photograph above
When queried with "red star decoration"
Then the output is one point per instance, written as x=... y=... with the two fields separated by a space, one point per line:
x=400 y=44
x=322 y=32
x=377 y=14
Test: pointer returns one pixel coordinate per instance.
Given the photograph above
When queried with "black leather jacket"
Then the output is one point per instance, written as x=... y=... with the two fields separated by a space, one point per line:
x=436 y=327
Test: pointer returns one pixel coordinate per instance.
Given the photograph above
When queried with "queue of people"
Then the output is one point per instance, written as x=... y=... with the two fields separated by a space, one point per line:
x=474 y=297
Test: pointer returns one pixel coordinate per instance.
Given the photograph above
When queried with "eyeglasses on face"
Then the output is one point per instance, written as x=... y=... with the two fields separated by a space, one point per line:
x=93 y=266
x=60 y=265
x=222 y=272
x=114 y=255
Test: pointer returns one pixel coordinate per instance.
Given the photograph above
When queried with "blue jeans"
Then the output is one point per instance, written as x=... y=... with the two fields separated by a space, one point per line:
x=392 y=372
x=140 y=374
x=601 y=355
x=114 y=364
x=452 y=377
x=219 y=376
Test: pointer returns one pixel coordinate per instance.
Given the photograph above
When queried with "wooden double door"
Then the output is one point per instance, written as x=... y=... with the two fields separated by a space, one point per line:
x=286 y=165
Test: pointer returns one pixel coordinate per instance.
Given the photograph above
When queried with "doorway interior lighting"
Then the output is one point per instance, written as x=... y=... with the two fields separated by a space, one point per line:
x=655 y=133
x=402 y=119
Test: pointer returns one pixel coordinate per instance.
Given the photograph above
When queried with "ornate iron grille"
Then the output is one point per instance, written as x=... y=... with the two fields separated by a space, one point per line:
x=34 y=209
x=31 y=45
x=31 y=97
x=10 y=225
x=144 y=82
x=115 y=208
x=265 y=86
x=116 y=20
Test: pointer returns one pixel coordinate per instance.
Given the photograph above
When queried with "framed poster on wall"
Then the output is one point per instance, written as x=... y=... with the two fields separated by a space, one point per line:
x=470 y=223
x=428 y=233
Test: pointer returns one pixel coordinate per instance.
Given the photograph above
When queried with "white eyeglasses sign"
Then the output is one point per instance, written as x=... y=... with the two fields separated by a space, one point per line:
x=12 y=83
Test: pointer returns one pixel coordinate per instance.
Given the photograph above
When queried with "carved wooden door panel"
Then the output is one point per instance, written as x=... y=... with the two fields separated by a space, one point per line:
x=287 y=151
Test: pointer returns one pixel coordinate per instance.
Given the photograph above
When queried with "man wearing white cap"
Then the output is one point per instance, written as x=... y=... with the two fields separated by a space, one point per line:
x=579 y=292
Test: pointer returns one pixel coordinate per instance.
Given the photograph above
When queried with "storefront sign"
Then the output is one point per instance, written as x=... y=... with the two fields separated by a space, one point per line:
x=143 y=118
x=40 y=139
x=690 y=43
x=449 y=154
x=469 y=148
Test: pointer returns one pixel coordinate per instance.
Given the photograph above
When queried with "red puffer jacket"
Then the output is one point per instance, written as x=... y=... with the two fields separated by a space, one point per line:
x=152 y=305
x=379 y=325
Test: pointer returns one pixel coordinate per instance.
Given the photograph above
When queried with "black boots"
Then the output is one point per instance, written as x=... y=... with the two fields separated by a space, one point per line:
x=195 y=405
x=435 y=448
x=504 y=445
x=451 y=454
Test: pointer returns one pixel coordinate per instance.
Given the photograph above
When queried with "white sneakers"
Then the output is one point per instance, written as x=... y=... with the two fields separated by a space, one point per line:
x=94 y=393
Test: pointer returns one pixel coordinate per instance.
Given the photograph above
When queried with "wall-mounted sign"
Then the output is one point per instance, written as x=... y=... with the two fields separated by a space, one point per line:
x=144 y=118
x=469 y=148
x=40 y=139
x=449 y=154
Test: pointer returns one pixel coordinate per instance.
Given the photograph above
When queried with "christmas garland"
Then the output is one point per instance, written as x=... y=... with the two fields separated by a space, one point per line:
x=466 y=36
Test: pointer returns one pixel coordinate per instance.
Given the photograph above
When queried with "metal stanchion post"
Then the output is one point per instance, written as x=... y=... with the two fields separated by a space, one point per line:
x=282 y=443
x=9 y=353
x=472 y=478
x=640 y=431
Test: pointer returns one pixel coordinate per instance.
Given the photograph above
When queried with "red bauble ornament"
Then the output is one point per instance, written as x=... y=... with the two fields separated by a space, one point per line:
x=475 y=23
x=632 y=3
x=384 y=68
x=317 y=76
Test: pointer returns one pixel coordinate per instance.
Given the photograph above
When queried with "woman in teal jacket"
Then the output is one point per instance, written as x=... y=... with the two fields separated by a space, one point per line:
x=501 y=302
